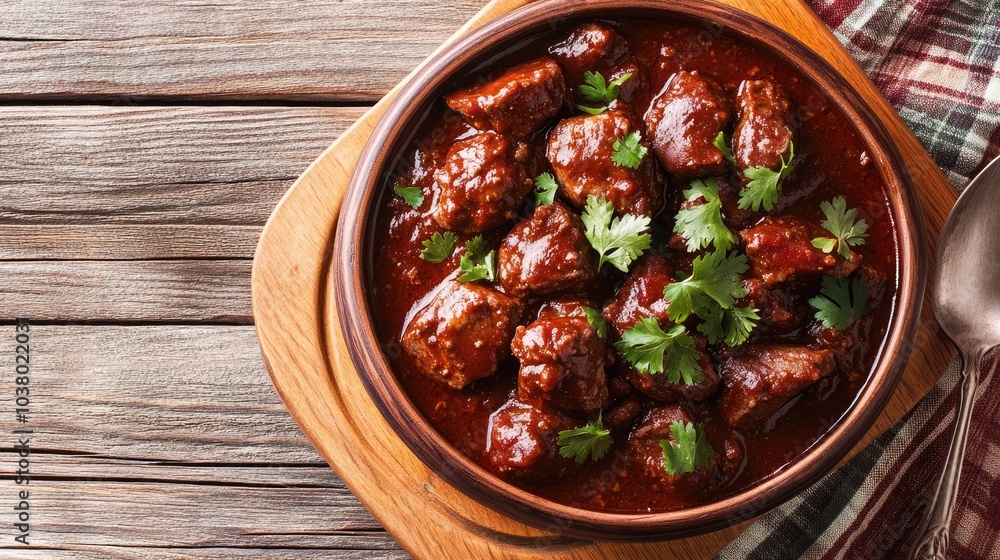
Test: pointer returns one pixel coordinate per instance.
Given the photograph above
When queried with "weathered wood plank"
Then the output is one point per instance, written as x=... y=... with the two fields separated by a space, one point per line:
x=156 y=165
x=129 y=241
x=103 y=291
x=220 y=49
x=157 y=394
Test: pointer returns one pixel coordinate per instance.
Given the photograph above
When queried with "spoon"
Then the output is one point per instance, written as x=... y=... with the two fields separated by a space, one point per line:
x=967 y=306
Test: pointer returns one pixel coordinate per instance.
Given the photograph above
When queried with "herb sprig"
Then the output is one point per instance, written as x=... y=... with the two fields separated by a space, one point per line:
x=597 y=90
x=476 y=263
x=411 y=195
x=628 y=151
x=841 y=302
x=710 y=292
x=545 y=189
x=848 y=231
x=597 y=321
x=764 y=188
x=591 y=441
x=689 y=450
x=702 y=225
x=619 y=241
x=439 y=247
x=720 y=143
x=651 y=350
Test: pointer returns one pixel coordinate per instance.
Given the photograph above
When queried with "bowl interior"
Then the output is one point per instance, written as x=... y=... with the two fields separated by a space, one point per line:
x=399 y=129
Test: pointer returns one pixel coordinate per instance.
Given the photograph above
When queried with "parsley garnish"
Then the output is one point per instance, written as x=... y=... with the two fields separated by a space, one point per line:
x=764 y=187
x=720 y=143
x=732 y=326
x=597 y=321
x=702 y=225
x=714 y=281
x=650 y=350
x=619 y=241
x=628 y=151
x=710 y=292
x=438 y=247
x=597 y=90
x=847 y=230
x=840 y=302
x=411 y=195
x=545 y=189
x=591 y=440
x=476 y=263
x=690 y=450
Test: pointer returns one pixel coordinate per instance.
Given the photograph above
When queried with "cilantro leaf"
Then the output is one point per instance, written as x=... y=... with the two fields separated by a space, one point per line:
x=841 y=302
x=732 y=326
x=714 y=282
x=411 y=195
x=596 y=90
x=591 y=440
x=847 y=230
x=439 y=247
x=702 y=225
x=597 y=321
x=545 y=189
x=689 y=450
x=628 y=151
x=650 y=350
x=764 y=187
x=619 y=241
x=727 y=154
x=476 y=263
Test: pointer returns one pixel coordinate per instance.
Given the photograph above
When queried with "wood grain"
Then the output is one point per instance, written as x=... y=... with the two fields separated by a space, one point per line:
x=104 y=291
x=168 y=442
x=127 y=242
x=91 y=165
x=313 y=50
x=313 y=374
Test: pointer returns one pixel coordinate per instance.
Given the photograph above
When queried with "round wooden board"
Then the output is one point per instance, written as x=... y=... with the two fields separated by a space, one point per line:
x=312 y=371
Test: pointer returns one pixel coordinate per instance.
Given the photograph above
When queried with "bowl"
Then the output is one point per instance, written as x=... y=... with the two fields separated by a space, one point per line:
x=354 y=238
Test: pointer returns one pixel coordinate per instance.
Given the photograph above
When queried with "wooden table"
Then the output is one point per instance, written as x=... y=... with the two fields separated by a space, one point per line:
x=142 y=146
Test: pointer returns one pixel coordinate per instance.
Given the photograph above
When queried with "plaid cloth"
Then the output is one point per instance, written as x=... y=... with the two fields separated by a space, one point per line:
x=938 y=63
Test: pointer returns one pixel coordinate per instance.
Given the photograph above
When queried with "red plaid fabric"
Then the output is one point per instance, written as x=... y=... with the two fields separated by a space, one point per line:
x=938 y=63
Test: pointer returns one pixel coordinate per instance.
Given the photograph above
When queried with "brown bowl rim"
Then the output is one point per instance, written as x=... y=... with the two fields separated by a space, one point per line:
x=442 y=458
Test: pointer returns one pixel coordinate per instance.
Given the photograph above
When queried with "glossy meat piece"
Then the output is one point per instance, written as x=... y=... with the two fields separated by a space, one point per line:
x=641 y=295
x=482 y=183
x=580 y=151
x=645 y=449
x=562 y=363
x=462 y=334
x=757 y=383
x=764 y=127
x=775 y=305
x=593 y=47
x=546 y=253
x=516 y=103
x=565 y=307
x=682 y=124
x=781 y=249
x=523 y=441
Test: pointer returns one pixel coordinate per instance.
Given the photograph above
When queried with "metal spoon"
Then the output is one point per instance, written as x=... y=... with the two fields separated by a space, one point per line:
x=967 y=306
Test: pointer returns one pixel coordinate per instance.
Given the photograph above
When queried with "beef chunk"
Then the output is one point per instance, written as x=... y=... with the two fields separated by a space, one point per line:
x=781 y=249
x=562 y=363
x=645 y=449
x=482 y=183
x=683 y=122
x=523 y=441
x=462 y=334
x=516 y=103
x=641 y=295
x=580 y=151
x=757 y=383
x=593 y=47
x=775 y=305
x=546 y=253
x=764 y=128
x=565 y=307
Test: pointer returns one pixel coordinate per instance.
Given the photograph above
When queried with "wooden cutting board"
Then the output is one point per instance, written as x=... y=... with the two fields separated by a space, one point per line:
x=313 y=374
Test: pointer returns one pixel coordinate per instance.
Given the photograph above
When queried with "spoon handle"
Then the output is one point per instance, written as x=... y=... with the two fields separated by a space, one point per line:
x=932 y=541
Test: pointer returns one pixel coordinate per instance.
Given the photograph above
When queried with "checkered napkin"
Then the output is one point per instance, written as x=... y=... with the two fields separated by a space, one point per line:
x=938 y=63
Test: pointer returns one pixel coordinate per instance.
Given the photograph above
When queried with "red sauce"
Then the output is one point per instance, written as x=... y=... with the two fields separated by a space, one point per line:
x=831 y=161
